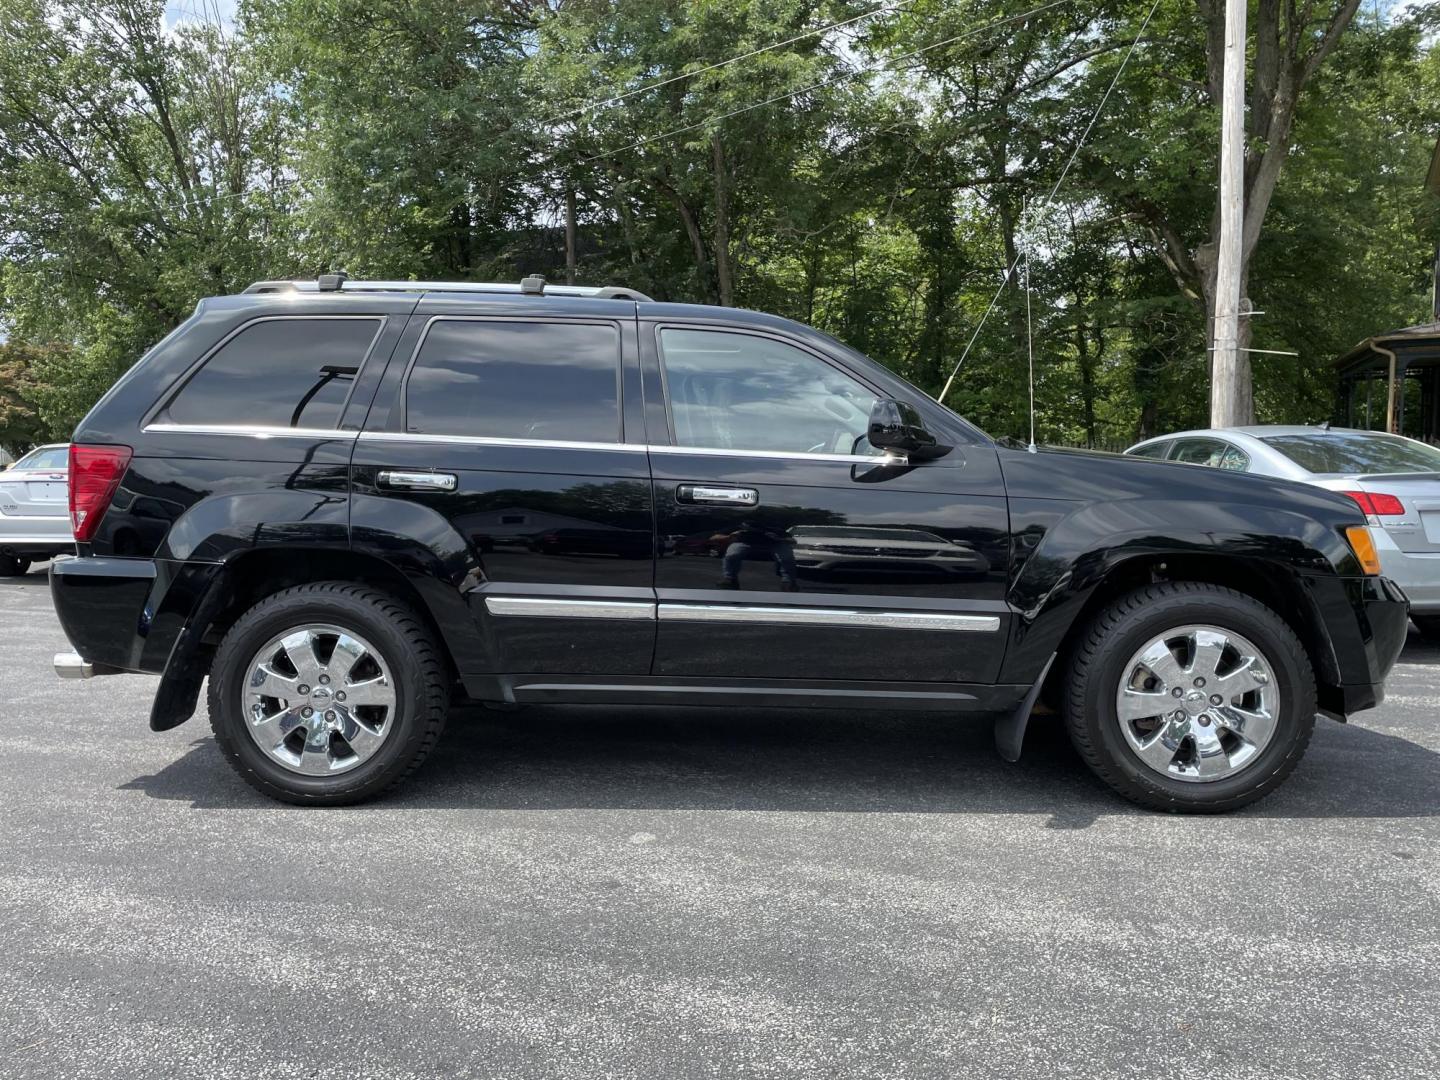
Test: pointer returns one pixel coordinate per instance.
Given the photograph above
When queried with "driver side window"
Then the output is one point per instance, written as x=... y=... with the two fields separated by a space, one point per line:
x=742 y=392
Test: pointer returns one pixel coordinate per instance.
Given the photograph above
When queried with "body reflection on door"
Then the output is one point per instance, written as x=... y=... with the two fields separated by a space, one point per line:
x=762 y=554
x=518 y=531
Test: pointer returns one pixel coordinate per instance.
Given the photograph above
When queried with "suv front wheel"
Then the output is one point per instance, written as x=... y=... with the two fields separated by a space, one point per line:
x=1190 y=697
x=328 y=693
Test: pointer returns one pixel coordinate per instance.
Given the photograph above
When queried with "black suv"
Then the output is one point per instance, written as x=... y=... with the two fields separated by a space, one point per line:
x=347 y=501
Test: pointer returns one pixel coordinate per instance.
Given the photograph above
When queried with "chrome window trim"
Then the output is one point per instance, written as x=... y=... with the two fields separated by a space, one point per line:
x=256 y=431
x=716 y=451
x=261 y=431
x=801 y=616
x=544 y=607
x=482 y=440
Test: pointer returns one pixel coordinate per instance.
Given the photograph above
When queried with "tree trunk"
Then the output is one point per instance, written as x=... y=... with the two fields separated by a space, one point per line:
x=692 y=230
x=569 y=235
x=723 y=277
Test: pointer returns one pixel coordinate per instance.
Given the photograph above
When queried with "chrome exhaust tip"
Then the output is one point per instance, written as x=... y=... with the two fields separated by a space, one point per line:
x=71 y=665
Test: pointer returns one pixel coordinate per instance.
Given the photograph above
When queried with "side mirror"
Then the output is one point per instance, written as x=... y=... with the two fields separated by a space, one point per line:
x=897 y=428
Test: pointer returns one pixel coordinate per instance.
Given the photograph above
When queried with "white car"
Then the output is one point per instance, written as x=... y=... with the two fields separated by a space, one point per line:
x=1395 y=480
x=35 y=509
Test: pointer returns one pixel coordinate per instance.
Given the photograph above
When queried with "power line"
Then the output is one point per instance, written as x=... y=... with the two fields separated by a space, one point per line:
x=1074 y=153
x=595 y=107
x=828 y=81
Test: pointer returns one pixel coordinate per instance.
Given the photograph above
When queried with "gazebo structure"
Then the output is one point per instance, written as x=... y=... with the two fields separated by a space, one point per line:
x=1391 y=381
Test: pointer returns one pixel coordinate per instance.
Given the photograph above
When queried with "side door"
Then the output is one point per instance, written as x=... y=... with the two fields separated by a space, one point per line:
x=788 y=547
x=497 y=453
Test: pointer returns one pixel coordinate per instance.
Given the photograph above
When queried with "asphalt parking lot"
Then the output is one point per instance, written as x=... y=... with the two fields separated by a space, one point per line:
x=665 y=893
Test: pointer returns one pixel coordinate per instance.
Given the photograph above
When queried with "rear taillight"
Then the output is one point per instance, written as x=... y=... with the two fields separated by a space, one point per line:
x=1378 y=505
x=95 y=473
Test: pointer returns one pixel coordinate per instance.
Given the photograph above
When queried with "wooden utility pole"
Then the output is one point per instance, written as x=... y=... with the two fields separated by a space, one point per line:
x=1225 y=391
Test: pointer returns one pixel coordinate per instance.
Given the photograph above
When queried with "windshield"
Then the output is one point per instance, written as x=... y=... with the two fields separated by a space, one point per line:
x=1357 y=452
x=50 y=457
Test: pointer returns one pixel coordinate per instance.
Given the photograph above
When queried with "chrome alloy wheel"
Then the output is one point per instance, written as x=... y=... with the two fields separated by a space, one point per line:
x=319 y=699
x=1198 y=703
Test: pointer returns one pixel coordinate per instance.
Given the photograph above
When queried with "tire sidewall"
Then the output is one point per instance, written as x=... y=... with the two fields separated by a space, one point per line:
x=265 y=622
x=1250 y=620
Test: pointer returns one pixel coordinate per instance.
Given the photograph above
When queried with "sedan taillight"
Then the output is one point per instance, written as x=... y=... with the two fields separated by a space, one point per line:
x=95 y=473
x=1377 y=505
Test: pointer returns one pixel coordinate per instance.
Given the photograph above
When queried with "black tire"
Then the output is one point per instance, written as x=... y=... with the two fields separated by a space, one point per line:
x=13 y=566
x=1428 y=625
x=1096 y=668
x=417 y=663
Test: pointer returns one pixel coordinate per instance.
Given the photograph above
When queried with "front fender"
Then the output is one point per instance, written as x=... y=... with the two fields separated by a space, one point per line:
x=1064 y=552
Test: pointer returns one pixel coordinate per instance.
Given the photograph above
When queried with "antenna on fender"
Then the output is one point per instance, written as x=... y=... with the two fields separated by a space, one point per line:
x=1029 y=337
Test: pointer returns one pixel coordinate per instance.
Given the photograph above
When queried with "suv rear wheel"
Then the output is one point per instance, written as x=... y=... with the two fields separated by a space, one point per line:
x=13 y=566
x=328 y=693
x=1190 y=697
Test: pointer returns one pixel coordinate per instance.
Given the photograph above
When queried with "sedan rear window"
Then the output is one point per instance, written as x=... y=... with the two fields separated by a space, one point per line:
x=49 y=457
x=1356 y=452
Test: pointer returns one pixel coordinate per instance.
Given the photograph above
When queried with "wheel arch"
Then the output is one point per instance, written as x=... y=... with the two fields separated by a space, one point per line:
x=1279 y=588
x=249 y=576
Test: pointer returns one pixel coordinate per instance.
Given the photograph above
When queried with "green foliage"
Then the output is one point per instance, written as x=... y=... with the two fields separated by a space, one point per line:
x=893 y=170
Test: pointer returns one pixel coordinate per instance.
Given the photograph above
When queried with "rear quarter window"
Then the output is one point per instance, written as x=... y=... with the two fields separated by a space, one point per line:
x=278 y=373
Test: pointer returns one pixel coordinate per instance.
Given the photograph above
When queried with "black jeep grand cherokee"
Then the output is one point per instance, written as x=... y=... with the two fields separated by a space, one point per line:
x=344 y=501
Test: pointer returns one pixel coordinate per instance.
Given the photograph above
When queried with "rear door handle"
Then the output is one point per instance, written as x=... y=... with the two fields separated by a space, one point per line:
x=417 y=481
x=717 y=496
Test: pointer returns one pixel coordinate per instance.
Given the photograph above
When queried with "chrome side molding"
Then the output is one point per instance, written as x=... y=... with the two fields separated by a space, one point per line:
x=546 y=608
x=803 y=616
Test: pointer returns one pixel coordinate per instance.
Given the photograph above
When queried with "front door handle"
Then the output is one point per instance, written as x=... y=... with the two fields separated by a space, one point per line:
x=417 y=481
x=717 y=496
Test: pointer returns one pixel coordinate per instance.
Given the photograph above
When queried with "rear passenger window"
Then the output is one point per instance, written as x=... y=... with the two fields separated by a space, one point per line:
x=278 y=373
x=516 y=380
x=1198 y=451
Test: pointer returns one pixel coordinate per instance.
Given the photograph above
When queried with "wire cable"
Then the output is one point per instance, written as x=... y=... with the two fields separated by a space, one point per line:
x=1074 y=153
x=850 y=74
x=596 y=106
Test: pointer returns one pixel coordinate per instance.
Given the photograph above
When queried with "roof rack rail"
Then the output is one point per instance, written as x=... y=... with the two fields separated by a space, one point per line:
x=534 y=285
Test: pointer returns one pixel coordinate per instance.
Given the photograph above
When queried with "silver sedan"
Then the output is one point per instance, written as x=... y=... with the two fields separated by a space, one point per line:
x=1395 y=480
x=35 y=509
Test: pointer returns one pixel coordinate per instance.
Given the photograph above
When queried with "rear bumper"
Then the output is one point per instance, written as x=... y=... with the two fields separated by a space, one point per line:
x=1416 y=572
x=1367 y=620
x=29 y=536
x=123 y=614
